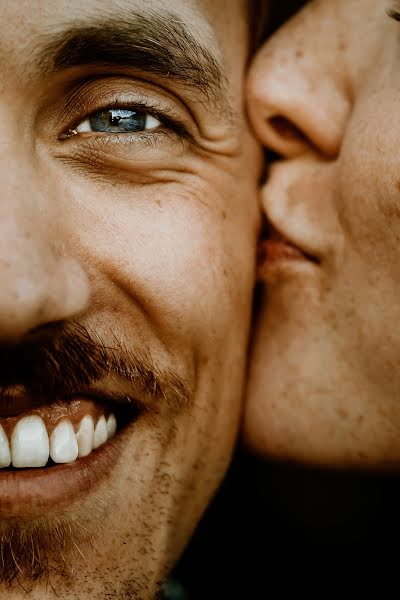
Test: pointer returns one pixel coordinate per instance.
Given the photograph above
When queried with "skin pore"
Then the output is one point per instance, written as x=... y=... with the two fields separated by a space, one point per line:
x=129 y=222
x=324 y=380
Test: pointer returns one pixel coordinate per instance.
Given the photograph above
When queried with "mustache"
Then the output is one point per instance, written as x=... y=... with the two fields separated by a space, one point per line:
x=63 y=360
x=56 y=362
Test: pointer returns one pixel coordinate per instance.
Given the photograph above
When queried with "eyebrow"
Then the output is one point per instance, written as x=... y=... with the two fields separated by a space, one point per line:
x=158 y=43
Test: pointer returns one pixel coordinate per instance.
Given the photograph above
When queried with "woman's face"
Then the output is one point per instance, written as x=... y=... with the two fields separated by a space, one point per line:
x=324 y=93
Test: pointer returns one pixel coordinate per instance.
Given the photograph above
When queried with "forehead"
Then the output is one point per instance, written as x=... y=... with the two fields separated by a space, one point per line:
x=38 y=15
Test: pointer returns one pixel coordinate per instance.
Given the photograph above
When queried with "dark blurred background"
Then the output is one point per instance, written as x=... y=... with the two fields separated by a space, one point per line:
x=280 y=531
x=281 y=10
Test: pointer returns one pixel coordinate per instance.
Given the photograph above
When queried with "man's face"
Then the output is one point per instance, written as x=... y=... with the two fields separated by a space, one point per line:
x=325 y=379
x=128 y=227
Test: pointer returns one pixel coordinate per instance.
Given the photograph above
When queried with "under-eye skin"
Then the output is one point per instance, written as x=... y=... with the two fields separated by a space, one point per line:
x=121 y=135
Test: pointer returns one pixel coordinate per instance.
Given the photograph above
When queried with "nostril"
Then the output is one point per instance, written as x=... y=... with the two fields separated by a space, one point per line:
x=286 y=129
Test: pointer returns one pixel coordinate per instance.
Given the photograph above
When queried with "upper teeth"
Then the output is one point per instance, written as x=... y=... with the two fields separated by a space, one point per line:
x=63 y=444
x=31 y=447
x=5 y=454
x=30 y=443
x=84 y=436
x=100 y=432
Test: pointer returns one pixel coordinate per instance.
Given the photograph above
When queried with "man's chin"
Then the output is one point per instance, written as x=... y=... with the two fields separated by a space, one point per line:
x=43 y=551
x=54 y=520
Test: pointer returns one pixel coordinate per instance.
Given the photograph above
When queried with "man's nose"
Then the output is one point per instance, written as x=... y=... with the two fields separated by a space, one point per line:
x=41 y=281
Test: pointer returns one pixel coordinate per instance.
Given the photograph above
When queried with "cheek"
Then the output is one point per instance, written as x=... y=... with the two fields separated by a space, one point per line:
x=369 y=204
x=173 y=252
x=369 y=198
x=368 y=183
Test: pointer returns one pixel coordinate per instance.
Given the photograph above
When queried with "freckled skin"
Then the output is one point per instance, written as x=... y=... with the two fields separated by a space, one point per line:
x=150 y=244
x=324 y=380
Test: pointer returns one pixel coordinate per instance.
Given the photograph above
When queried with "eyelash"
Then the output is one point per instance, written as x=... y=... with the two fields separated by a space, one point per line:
x=394 y=14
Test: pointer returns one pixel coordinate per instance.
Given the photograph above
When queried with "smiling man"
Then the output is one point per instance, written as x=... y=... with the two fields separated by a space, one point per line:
x=128 y=228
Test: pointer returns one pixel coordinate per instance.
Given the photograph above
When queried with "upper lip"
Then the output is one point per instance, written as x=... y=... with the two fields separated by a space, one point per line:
x=271 y=232
x=17 y=400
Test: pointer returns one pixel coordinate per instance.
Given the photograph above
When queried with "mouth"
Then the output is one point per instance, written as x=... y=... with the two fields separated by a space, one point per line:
x=276 y=254
x=52 y=453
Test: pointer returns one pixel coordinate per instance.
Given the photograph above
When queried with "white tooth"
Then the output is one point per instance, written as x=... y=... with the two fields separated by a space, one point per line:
x=111 y=426
x=100 y=432
x=5 y=455
x=84 y=436
x=30 y=443
x=63 y=444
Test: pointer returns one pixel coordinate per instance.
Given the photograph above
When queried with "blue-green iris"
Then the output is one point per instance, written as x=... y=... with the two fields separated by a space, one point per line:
x=118 y=120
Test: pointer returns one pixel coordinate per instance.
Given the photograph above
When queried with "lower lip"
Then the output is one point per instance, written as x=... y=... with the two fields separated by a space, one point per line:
x=277 y=257
x=30 y=492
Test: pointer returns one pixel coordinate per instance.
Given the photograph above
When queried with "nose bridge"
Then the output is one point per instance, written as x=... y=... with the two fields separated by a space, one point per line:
x=22 y=207
x=40 y=283
x=23 y=211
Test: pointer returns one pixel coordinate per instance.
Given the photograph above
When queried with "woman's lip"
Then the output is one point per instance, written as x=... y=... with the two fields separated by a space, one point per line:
x=278 y=257
x=275 y=249
x=277 y=245
x=33 y=492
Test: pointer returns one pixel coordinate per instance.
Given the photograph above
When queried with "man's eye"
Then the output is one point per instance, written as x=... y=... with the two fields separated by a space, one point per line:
x=118 y=120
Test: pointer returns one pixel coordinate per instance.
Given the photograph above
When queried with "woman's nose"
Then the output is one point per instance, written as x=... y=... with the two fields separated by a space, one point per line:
x=297 y=100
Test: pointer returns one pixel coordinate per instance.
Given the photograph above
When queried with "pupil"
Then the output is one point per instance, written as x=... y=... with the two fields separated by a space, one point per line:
x=118 y=120
x=114 y=120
